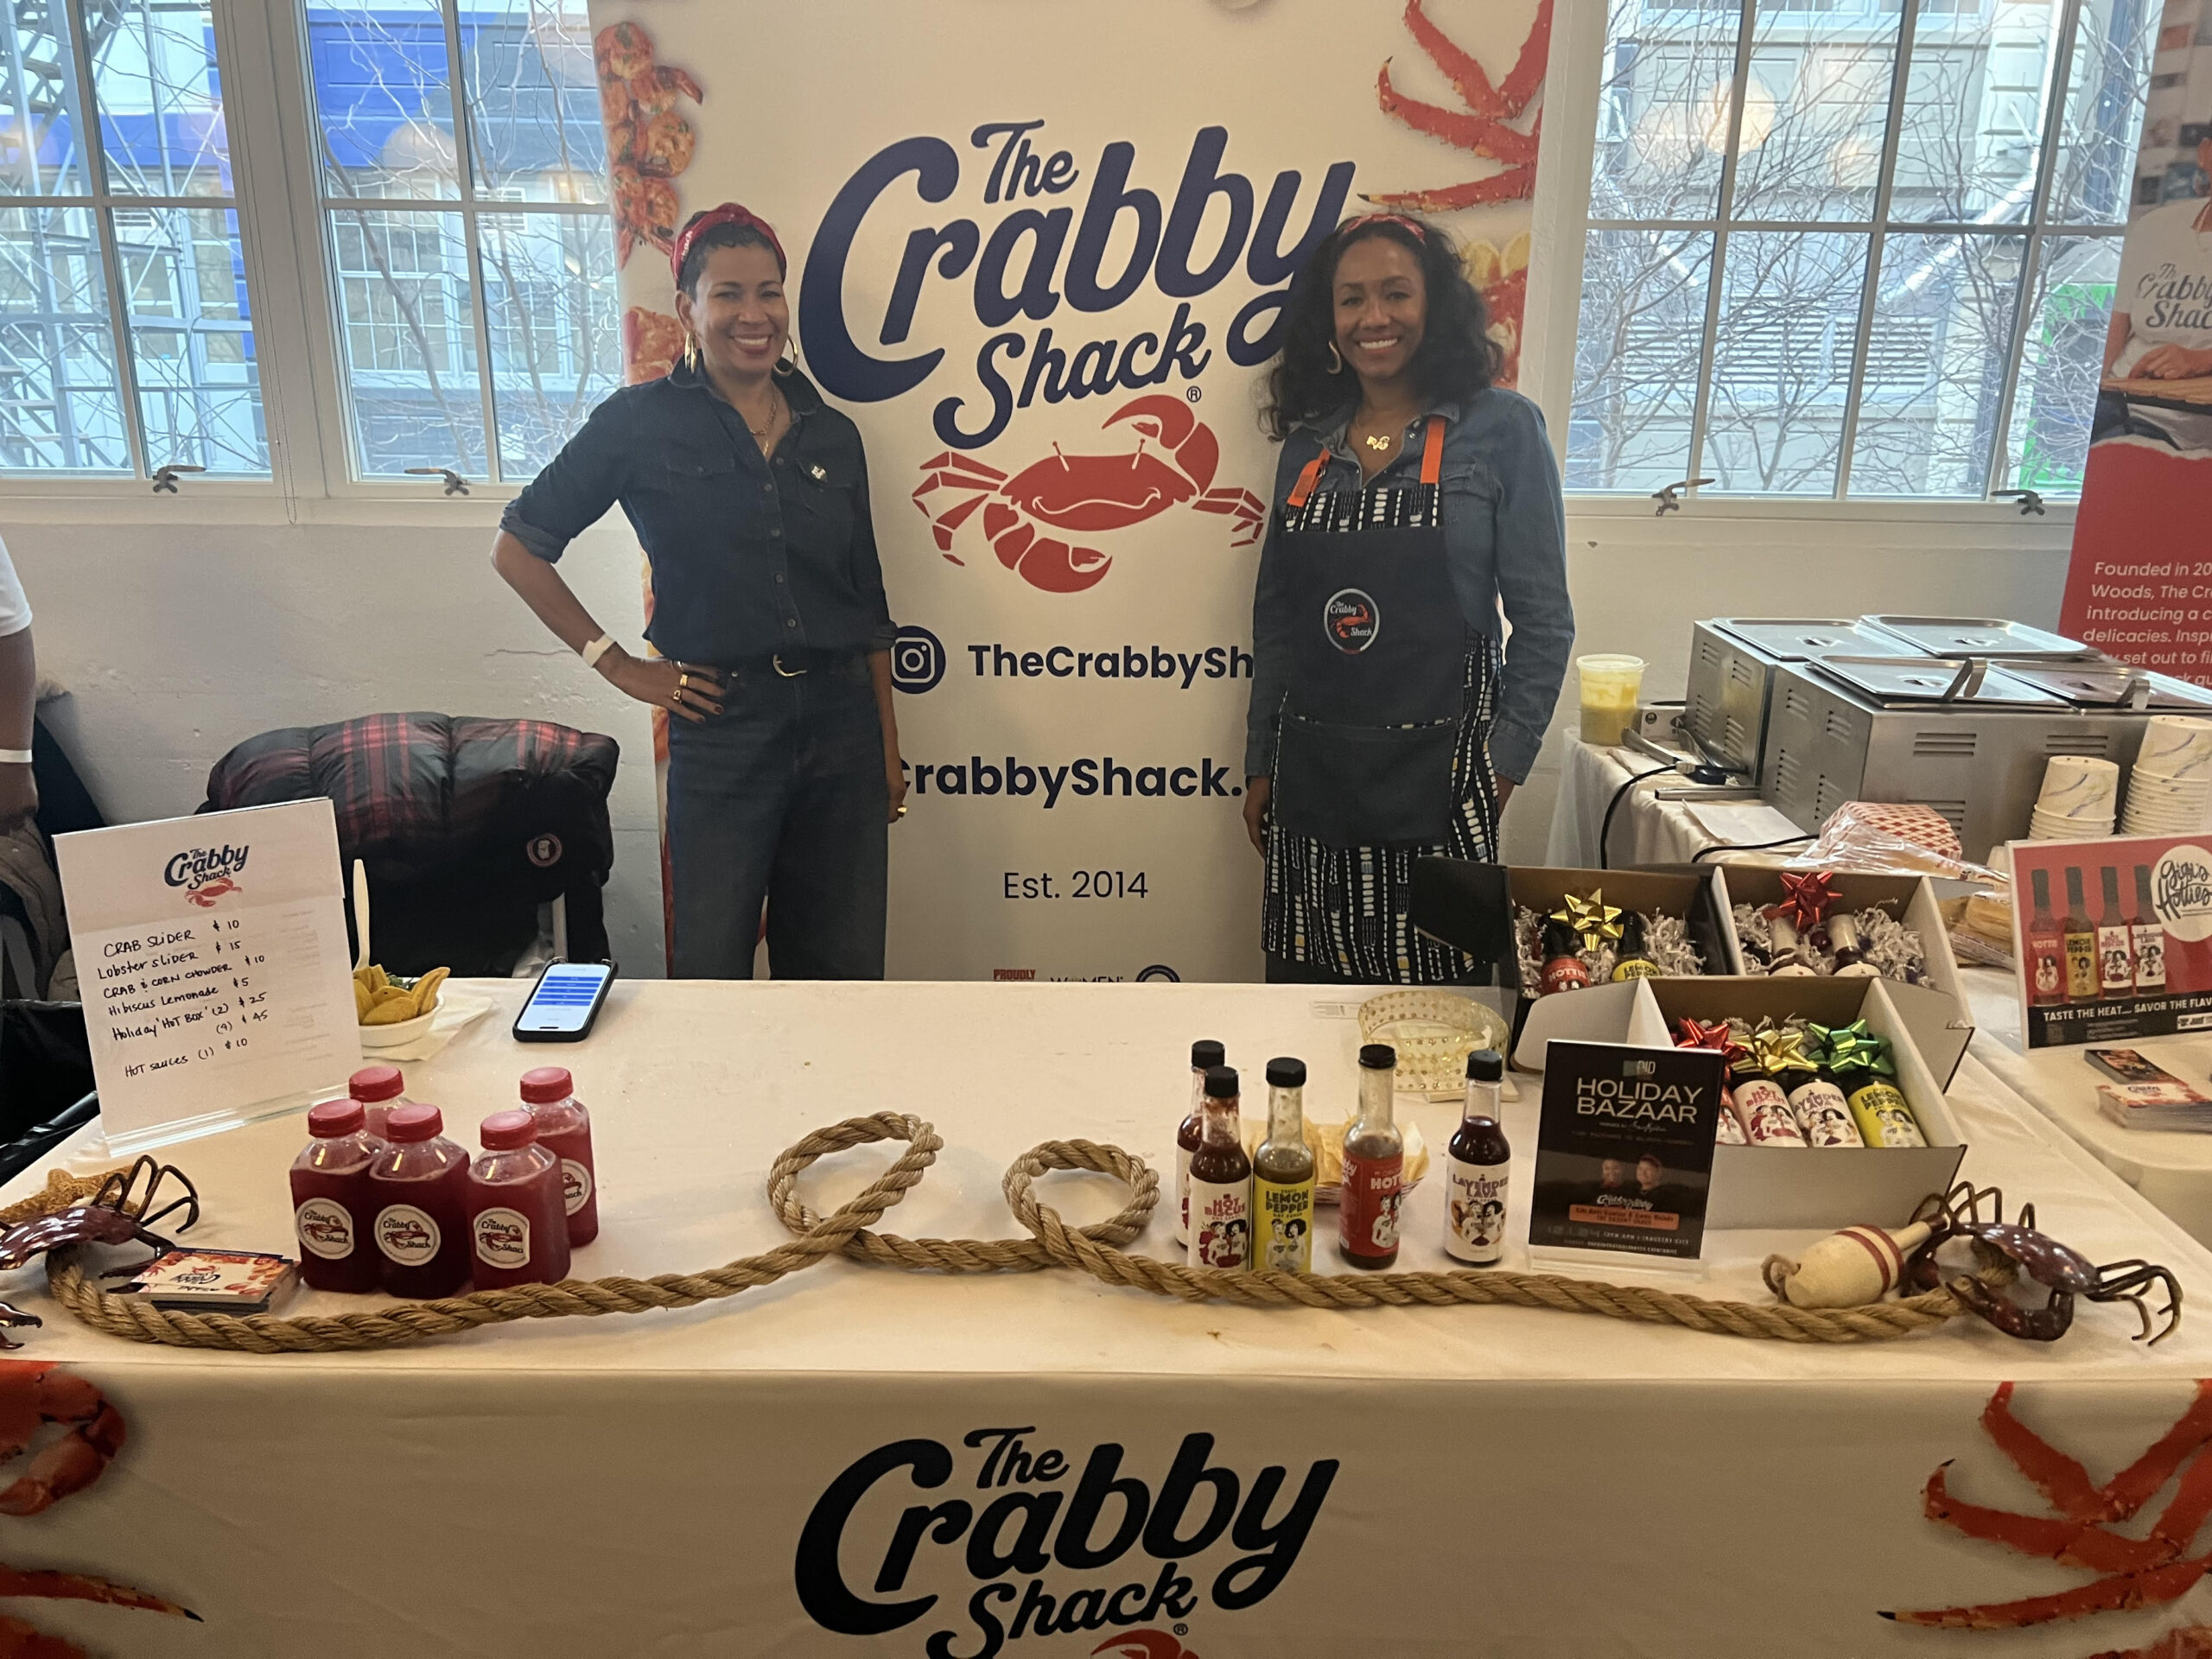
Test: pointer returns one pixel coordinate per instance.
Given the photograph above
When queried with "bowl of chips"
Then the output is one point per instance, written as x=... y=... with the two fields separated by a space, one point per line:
x=392 y=1009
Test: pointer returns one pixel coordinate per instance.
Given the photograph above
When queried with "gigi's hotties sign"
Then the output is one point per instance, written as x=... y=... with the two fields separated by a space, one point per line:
x=2114 y=937
x=212 y=952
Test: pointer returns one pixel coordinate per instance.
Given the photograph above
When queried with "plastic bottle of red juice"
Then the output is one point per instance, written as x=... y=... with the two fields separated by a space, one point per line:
x=381 y=1090
x=332 y=1208
x=564 y=1130
x=518 y=1226
x=420 y=1185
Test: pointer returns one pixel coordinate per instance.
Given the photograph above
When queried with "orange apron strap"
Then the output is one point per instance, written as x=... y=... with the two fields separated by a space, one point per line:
x=1431 y=451
x=1301 y=491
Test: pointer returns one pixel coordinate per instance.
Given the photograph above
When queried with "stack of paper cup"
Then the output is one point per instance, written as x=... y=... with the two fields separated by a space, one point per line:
x=2170 y=792
x=2080 y=798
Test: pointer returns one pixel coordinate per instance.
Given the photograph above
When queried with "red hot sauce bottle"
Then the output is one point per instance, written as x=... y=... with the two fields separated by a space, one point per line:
x=1205 y=1054
x=1375 y=1165
x=548 y=1094
x=1221 y=1181
x=2046 y=946
x=518 y=1224
x=333 y=1211
x=420 y=1182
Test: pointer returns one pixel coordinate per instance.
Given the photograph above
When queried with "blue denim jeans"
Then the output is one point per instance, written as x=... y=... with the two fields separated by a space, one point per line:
x=780 y=798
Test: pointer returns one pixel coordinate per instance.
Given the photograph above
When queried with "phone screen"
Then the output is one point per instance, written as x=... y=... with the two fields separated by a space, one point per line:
x=564 y=997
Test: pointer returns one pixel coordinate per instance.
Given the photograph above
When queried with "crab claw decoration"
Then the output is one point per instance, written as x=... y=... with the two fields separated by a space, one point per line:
x=1086 y=494
x=1592 y=918
x=1484 y=127
x=1806 y=899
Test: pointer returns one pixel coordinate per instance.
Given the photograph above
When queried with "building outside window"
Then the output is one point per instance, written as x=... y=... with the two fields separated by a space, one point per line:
x=1854 y=248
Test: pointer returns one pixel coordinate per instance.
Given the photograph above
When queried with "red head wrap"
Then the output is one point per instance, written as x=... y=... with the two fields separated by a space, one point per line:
x=729 y=213
x=1362 y=222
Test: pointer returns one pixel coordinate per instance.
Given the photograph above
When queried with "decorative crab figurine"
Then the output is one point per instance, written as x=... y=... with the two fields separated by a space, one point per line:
x=118 y=1214
x=2067 y=1273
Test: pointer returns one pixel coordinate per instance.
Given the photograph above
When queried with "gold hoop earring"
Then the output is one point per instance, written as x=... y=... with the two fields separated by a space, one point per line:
x=691 y=351
x=1335 y=362
x=787 y=366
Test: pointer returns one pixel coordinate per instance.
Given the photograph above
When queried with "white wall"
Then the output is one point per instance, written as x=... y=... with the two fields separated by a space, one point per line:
x=178 y=638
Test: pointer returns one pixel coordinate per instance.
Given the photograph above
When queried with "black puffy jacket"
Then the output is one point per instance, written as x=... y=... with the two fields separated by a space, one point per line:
x=466 y=825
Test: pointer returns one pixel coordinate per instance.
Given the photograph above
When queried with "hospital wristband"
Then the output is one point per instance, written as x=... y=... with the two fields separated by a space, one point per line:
x=598 y=648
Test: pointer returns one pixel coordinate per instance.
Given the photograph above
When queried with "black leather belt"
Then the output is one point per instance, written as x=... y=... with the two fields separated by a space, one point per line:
x=790 y=665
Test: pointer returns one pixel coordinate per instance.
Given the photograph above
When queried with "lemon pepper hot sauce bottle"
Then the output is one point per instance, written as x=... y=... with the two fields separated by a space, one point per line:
x=1282 y=1175
x=1864 y=1070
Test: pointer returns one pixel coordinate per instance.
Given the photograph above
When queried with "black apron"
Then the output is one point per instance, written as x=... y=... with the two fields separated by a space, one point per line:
x=1378 y=660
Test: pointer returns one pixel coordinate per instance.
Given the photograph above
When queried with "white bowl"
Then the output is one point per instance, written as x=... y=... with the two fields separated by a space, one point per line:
x=398 y=1035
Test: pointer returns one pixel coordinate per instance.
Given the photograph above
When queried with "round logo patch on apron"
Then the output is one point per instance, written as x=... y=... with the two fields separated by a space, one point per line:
x=1353 y=621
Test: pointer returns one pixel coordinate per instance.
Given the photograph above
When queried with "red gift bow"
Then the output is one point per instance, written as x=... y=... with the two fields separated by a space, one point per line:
x=729 y=213
x=1692 y=1034
x=1806 y=899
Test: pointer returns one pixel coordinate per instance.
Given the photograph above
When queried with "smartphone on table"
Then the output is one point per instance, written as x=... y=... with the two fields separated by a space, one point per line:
x=564 y=1003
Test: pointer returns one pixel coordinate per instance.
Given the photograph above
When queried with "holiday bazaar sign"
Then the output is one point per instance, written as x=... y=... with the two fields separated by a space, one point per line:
x=1041 y=255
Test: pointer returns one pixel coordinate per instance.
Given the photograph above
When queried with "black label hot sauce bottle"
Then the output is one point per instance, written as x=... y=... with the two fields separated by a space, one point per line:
x=2148 y=935
x=2081 y=972
x=1633 y=959
x=1476 y=1166
x=2115 y=950
x=2046 y=965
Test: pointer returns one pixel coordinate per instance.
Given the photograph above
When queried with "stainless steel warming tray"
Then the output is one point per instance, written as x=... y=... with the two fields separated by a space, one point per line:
x=1977 y=636
x=1732 y=674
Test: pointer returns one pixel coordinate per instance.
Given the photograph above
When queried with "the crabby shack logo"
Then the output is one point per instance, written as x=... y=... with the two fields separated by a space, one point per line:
x=1053 y=1549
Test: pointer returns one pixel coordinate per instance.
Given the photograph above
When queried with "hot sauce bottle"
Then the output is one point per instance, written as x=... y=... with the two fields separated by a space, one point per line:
x=1283 y=1174
x=1221 y=1181
x=333 y=1211
x=1862 y=1072
x=2046 y=946
x=548 y=1094
x=2115 y=950
x=2148 y=937
x=1850 y=954
x=1822 y=1112
x=1563 y=968
x=2081 y=971
x=420 y=1184
x=381 y=1090
x=1763 y=1104
x=1634 y=959
x=1375 y=1165
x=1204 y=1055
x=518 y=1217
x=1788 y=958
x=1476 y=1166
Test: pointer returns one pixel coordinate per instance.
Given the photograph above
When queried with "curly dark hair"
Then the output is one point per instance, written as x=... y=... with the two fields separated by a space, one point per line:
x=722 y=236
x=1457 y=357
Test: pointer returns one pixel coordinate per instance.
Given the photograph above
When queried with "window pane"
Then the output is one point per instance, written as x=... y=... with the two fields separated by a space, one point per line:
x=549 y=302
x=1815 y=107
x=191 y=338
x=41 y=108
x=1636 y=357
x=1662 y=111
x=2105 y=101
x=1928 y=404
x=1782 y=359
x=161 y=105
x=1974 y=114
x=2049 y=444
x=533 y=103
x=61 y=408
x=407 y=327
x=381 y=93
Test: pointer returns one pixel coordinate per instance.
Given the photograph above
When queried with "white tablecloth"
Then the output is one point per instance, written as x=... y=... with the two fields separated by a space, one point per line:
x=1646 y=829
x=644 y=1485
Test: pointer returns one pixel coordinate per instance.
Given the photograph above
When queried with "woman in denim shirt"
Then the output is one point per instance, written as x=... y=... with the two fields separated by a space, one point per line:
x=750 y=497
x=1414 y=501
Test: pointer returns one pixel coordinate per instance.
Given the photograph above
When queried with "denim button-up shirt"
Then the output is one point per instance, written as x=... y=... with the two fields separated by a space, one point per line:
x=1505 y=538
x=748 y=556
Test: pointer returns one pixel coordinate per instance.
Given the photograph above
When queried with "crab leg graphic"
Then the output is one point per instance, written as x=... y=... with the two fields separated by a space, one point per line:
x=2187 y=1641
x=1481 y=129
x=1473 y=132
x=2120 y=1593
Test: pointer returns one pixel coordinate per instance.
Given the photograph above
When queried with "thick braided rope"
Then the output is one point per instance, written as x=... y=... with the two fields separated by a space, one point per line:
x=261 y=1333
x=1094 y=1249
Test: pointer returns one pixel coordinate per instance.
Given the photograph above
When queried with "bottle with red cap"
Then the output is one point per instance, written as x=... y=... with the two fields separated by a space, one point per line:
x=564 y=1130
x=333 y=1211
x=518 y=1225
x=420 y=1185
x=380 y=1090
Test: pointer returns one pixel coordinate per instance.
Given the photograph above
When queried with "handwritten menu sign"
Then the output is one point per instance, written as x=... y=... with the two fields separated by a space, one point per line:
x=212 y=951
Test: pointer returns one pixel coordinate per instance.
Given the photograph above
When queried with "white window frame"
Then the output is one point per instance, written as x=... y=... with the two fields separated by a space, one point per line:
x=1572 y=91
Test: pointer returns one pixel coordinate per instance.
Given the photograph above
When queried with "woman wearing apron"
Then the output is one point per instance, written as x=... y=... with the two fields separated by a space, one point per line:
x=1414 y=502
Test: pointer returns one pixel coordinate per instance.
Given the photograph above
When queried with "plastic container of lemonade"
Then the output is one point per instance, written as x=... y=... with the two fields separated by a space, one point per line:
x=333 y=1211
x=565 y=1130
x=518 y=1226
x=420 y=1184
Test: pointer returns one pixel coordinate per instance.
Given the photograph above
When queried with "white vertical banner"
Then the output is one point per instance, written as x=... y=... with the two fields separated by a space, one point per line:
x=1039 y=254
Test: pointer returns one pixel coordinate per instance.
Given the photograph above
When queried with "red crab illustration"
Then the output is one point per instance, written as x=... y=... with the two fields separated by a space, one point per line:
x=206 y=896
x=34 y=1393
x=648 y=143
x=651 y=341
x=1486 y=127
x=1087 y=493
x=1143 y=1645
x=2135 y=1572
